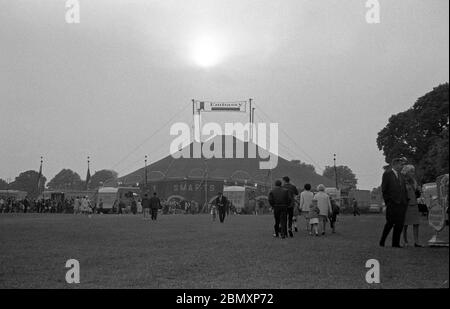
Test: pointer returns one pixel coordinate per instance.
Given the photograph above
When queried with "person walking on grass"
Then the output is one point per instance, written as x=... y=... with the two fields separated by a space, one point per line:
x=412 y=216
x=395 y=197
x=221 y=202
x=155 y=204
x=290 y=209
x=313 y=216
x=280 y=199
x=306 y=198
x=213 y=211
x=324 y=205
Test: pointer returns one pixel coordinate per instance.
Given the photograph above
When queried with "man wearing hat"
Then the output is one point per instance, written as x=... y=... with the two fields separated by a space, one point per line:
x=395 y=197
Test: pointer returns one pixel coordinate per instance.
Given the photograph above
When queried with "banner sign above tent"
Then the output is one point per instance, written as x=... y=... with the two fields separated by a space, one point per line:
x=240 y=106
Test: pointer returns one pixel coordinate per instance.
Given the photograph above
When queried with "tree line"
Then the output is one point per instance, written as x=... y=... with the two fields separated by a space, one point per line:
x=66 y=179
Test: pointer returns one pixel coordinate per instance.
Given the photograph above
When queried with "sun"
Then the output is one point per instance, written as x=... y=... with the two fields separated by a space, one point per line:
x=206 y=51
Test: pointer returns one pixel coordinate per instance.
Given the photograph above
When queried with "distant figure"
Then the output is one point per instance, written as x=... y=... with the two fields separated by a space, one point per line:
x=85 y=206
x=26 y=204
x=280 y=199
x=133 y=207
x=77 y=205
x=155 y=204
x=139 y=206
x=145 y=207
x=412 y=216
x=324 y=205
x=213 y=211
x=290 y=210
x=100 y=207
x=121 y=207
x=355 y=208
x=221 y=202
x=306 y=198
x=395 y=197
x=333 y=216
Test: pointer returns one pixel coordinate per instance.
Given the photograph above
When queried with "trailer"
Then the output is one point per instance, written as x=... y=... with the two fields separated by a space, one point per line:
x=241 y=197
x=108 y=198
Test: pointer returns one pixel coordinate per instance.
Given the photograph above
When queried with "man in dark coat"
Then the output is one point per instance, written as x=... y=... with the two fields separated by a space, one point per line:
x=395 y=198
x=290 y=210
x=222 y=204
x=155 y=204
x=280 y=199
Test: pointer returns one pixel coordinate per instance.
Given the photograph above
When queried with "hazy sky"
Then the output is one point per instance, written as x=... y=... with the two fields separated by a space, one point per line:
x=103 y=86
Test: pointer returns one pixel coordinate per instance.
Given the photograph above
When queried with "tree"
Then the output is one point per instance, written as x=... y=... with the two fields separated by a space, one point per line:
x=3 y=184
x=420 y=134
x=101 y=177
x=28 y=181
x=345 y=176
x=66 y=179
x=305 y=165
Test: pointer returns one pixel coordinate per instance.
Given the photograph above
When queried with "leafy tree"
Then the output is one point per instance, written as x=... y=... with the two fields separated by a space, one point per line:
x=65 y=179
x=420 y=134
x=305 y=165
x=345 y=176
x=101 y=177
x=3 y=184
x=28 y=181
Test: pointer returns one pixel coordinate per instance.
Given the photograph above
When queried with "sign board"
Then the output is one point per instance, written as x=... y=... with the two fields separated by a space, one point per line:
x=222 y=106
x=429 y=193
x=438 y=210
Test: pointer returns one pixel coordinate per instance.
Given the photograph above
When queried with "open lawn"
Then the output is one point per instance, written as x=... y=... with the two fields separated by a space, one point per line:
x=191 y=251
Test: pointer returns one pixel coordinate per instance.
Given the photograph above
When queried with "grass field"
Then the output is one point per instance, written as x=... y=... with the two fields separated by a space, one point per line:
x=191 y=251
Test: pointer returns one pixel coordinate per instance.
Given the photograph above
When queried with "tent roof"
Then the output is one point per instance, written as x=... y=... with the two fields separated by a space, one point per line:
x=236 y=169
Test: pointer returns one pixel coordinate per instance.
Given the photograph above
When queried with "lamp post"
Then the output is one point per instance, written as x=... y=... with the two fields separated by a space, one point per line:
x=335 y=171
x=145 y=171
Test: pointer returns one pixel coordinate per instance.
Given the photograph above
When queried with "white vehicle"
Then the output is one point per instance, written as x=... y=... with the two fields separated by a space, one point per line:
x=107 y=196
x=110 y=195
x=240 y=196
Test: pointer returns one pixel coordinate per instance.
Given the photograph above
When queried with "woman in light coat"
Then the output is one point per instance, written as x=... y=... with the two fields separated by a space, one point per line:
x=324 y=205
x=306 y=198
x=412 y=215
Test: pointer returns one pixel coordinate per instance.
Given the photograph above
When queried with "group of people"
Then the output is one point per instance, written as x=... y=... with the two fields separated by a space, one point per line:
x=400 y=193
x=318 y=209
x=26 y=205
x=150 y=206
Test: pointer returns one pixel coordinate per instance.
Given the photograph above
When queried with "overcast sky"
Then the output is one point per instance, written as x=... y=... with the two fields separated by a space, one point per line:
x=103 y=86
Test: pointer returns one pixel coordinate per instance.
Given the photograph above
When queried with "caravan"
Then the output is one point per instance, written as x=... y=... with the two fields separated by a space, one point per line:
x=110 y=198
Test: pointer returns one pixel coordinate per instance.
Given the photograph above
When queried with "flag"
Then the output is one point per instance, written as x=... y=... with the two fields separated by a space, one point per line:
x=88 y=178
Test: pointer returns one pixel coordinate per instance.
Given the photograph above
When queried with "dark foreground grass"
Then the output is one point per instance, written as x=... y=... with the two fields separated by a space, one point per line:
x=191 y=251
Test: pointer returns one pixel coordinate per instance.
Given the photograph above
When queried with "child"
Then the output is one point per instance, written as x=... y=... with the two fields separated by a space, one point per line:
x=213 y=211
x=314 y=218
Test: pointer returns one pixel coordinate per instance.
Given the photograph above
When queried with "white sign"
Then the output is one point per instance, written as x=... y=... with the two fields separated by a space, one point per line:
x=439 y=205
x=222 y=106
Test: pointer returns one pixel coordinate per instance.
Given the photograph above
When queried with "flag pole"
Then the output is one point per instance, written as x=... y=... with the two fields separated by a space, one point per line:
x=88 y=175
